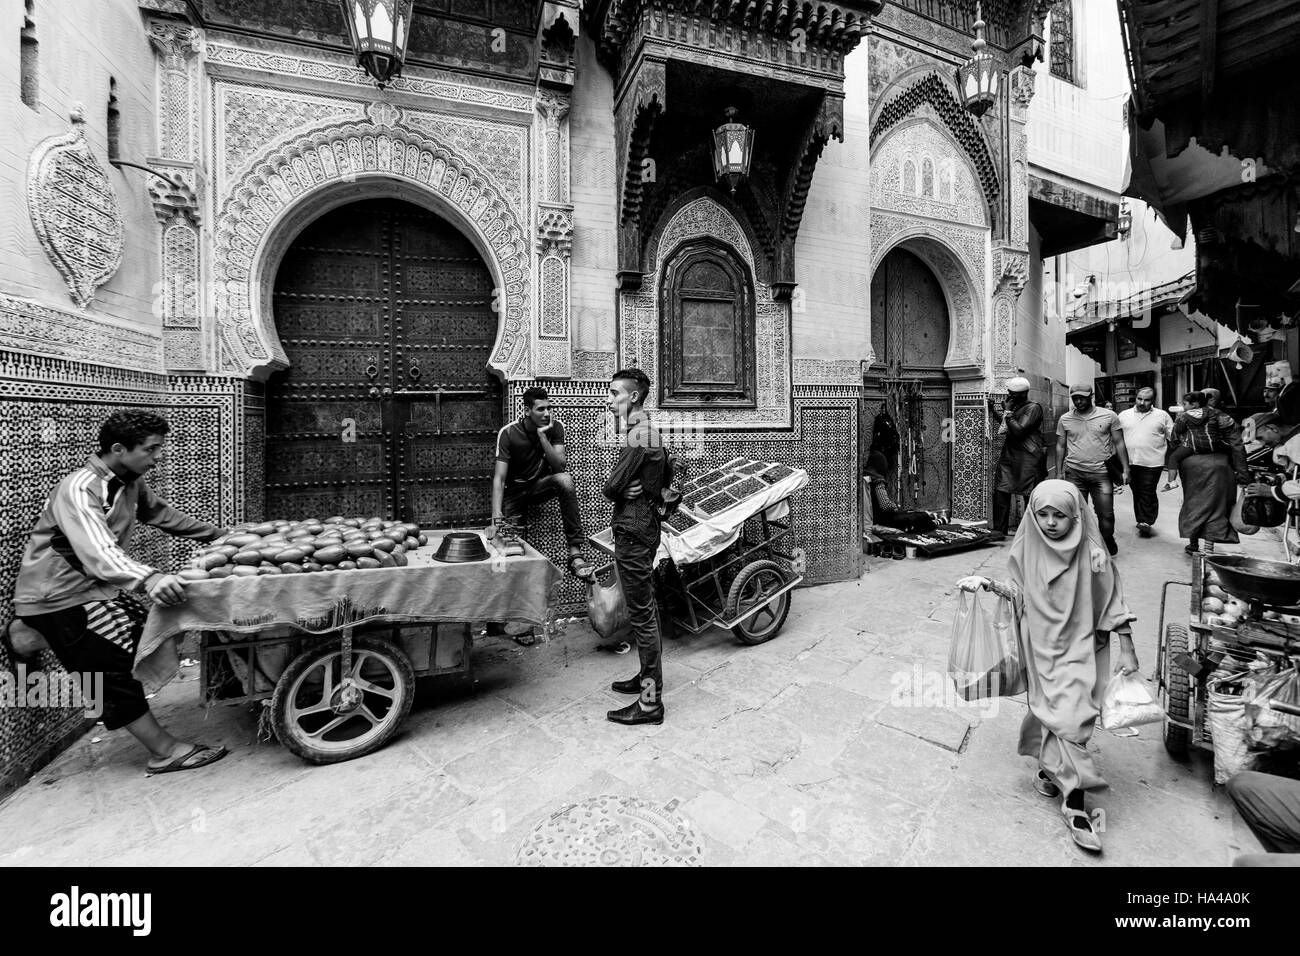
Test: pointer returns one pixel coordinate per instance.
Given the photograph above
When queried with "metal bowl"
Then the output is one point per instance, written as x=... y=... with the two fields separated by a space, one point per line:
x=459 y=547
x=1254 y=579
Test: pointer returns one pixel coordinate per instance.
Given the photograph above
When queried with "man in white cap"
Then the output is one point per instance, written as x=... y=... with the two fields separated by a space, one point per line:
x=1086 y=436
x=1146 y=436
x=1023 y=462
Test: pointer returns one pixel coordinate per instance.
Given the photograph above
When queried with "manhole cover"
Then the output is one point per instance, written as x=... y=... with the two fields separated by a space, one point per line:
x=612 y=831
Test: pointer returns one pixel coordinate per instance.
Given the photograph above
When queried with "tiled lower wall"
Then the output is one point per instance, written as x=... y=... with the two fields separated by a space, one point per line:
x=824 y=440
x=50 y=413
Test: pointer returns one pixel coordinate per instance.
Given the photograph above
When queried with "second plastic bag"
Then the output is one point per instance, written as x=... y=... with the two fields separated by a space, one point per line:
x=1127 y=703
x=985 y=659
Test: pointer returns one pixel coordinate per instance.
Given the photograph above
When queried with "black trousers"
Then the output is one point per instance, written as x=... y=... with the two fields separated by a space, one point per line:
x=82 y=651
x=1144 y=480
x=1270 y=805
x=516 y=502
x=635 y=559
x=1002 y=509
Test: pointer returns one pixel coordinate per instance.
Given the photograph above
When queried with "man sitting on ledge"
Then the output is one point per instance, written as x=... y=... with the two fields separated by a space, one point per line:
x=531 y=468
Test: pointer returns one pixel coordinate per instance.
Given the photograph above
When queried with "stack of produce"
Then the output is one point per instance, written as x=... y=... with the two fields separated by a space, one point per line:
x=1223 y=610
x=294 y=547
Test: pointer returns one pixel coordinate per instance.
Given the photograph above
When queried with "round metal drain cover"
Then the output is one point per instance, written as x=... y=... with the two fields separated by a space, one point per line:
x=612 y=831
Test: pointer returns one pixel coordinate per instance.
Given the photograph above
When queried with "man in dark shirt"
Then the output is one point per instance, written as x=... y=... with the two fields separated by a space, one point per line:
x=531 y=468
x=635 y=486
x=1023 y=462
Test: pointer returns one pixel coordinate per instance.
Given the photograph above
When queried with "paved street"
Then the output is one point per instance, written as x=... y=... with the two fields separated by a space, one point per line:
x=803 y=751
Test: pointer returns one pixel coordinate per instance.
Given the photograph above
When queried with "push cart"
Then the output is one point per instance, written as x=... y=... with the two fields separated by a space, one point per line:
x=336 y=654
x=1188 y=653
x=736 y=571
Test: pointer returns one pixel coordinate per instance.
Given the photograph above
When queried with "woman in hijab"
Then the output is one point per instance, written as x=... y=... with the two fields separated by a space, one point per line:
x=1068 y=598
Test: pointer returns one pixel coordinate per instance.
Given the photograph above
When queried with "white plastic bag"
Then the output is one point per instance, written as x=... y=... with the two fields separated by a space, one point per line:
x=1128 y=703
x=985 y=658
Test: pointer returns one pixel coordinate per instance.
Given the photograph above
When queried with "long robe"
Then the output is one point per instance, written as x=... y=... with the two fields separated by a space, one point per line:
x=1064 y=605
x=1209 y=490
x=1023 y=462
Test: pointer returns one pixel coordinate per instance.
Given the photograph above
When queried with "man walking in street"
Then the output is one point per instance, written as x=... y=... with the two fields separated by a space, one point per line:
x=1023 y=462
x=1086 y=436
x=1146 y=438
x=635 y=486
x=80 y=590
x=532 y=468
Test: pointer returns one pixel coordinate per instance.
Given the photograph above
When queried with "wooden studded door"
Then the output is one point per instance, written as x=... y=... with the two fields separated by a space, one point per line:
x=387 y=408
x=909 y=333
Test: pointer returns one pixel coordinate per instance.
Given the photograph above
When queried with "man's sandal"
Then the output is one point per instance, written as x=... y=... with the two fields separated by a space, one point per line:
x=1081 y=830
x=200 y=755
x=1044 y=785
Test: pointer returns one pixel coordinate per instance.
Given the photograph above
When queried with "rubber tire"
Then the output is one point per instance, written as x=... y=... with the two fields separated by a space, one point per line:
x=746 y=574
x=310 y=658
x=1178 y=692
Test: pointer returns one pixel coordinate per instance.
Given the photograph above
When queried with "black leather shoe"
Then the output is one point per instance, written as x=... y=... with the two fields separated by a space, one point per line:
x=630 y=686
x=634 y=714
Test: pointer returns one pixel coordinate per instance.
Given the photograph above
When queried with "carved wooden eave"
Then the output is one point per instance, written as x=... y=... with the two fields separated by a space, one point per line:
x=556 y=39
x=798 y=45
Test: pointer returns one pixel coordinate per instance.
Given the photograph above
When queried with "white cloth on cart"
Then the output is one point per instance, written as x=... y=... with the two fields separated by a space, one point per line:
x=714 y=533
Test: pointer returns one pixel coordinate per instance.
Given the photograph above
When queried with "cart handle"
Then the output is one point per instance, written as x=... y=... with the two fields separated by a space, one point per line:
x=1285 y=708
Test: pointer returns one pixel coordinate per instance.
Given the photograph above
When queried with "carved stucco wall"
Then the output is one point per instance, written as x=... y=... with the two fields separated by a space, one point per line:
x=639 y=322
x=473 y=170
x=946 y=225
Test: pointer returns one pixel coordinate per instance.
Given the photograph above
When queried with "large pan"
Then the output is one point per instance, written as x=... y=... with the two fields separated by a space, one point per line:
x=1253 y=579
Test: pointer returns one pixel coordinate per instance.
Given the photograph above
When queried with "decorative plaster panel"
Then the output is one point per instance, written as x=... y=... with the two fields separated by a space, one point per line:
x=248 y=115
x=639 y=320
x=501 y=150
x=437 y=83
x=32 y=327
x=290 y=171
x=954 y=194
x=74 y=211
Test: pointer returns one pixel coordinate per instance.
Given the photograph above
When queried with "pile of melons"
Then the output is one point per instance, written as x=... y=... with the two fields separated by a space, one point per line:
x=295 y=547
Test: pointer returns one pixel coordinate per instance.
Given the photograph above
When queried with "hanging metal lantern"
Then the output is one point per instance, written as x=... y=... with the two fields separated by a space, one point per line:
x=977 y=78
x=379 y=30
x=733 y=149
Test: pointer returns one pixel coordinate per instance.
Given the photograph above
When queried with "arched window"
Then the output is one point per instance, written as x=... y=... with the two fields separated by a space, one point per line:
x=927 y=177
x=945 y=181
x=909 y=177
x=1060 y=41
x=707 y=310
x=114 y=120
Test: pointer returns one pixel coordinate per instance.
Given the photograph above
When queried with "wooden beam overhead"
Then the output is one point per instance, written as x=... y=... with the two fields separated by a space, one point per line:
x=1209 y=46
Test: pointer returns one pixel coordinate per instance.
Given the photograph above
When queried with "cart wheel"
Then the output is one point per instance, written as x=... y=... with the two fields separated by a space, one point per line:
x=751 y=587
x=1178 y=691
x=322 y=719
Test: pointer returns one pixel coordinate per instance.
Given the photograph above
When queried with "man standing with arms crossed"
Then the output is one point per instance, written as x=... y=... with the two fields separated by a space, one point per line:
x=635 y=486
x=1146 y=438
x=1085 y=437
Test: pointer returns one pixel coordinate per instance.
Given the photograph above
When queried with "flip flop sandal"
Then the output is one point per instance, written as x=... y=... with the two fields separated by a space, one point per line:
x=1081 y=830
x=187 y=761
x=1044 y=785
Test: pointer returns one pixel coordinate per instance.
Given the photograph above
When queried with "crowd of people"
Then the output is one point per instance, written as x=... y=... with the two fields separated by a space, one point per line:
x=1065 y=586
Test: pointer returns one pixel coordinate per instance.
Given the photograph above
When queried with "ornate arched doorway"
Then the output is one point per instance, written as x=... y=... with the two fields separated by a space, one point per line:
x=910 y=338
x=385 y=312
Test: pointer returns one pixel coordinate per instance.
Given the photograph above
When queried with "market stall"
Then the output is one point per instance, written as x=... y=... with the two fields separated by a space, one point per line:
x=1228 y=678
x=347 y=684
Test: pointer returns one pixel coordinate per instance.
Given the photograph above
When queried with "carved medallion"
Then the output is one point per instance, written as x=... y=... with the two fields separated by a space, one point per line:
x=74 y=211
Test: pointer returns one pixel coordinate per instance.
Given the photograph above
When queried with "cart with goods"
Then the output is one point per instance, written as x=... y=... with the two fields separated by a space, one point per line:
x=1228 y=677
x=726 y=558
x=332 y=621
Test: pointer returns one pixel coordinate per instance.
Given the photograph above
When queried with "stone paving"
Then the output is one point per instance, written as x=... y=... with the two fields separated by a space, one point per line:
x=802 y=751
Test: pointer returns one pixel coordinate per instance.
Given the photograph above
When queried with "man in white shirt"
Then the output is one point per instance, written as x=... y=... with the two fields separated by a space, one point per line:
x=1146 y=436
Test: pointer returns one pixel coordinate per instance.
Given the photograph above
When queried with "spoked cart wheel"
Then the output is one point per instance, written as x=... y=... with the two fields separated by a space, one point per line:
x=325 y=716
x=1177 y=691
x=754 y=586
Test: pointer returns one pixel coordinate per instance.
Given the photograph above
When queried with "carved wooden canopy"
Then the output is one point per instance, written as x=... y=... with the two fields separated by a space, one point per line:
x=780 y=63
